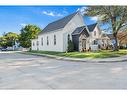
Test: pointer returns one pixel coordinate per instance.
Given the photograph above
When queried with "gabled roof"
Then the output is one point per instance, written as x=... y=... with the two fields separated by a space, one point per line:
x=91 y=27
x=59 y=24
x=110 y=36
x=79 y=30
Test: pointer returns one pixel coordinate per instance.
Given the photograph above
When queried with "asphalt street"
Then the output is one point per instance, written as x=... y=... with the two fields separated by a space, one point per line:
x=20 y=71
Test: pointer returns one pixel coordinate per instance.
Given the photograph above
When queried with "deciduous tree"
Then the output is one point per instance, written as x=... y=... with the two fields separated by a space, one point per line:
x=27 y=33
x=115 y=16
x=11 y=38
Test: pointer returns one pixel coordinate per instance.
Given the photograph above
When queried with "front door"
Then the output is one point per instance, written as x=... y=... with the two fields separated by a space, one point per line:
x=83 y=43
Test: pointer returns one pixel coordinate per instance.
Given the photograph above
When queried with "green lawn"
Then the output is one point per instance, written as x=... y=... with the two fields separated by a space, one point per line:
x=99 y=54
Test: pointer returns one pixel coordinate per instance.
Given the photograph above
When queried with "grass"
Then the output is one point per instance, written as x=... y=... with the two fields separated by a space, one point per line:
x=99 y=54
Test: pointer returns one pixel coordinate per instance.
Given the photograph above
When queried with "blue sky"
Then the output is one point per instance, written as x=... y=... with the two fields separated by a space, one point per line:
x=13 y=18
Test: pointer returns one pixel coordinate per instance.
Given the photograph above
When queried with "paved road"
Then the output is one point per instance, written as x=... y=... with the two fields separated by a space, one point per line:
x=19 y=71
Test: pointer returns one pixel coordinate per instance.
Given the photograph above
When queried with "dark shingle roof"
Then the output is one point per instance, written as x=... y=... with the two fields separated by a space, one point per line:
x=79 y=30
x=91 y=27
x=110 y=36
x=58 y=24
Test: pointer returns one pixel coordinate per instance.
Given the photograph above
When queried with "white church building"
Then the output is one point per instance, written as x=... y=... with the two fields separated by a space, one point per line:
x=55 y=36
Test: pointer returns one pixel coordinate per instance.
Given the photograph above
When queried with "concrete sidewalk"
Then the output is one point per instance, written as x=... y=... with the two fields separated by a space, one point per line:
x=97 y=60
x=9 y=52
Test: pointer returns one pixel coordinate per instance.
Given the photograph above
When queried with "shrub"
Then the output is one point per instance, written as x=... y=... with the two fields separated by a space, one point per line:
x=70 y=47
x=122 y=47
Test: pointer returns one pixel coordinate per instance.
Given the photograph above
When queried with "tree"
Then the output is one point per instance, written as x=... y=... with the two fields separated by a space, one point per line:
x=115 y=16
x=11 y=38
x=27 y=33
x=3 y=42
x=122 y=37
x=8 y=39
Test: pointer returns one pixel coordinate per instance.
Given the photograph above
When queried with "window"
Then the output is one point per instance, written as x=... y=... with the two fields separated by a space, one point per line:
x=103 y=42
x=94 y=33
x=47 y=41
x=37 y=43
x=95 y=42
x=68 y=37
x=42 y=41
x=99 y=32
x=33 y=44
x=54 y=39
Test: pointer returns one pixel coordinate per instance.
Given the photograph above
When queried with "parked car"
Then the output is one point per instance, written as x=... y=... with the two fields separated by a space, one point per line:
x=3 y=49
x=10 y=48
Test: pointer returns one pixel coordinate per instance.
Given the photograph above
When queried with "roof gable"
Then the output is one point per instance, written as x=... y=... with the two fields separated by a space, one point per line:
x=110 y=36
x=79 y=30
x=91 y=27
x=59 y=24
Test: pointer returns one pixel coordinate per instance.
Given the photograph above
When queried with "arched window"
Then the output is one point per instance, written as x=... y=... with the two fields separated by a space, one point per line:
x=33 y=44
x=68 y=37
x=54 y=39
x=42 y=41
x=37 y=43
x=47 y=41
x=94 y=33
x=95 y=42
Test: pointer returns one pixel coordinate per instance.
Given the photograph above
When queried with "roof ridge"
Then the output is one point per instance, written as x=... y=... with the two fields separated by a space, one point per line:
x=64 y=17
x=91 y=27
x=58 y=24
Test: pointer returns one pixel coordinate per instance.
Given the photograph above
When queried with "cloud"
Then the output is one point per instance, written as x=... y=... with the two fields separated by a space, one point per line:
x=51 y=13
x=23 y=24
x=95 y=18
x=82 y=10
x=78 y=9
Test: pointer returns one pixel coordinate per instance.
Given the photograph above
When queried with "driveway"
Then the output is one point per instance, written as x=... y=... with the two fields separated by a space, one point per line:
x=19 y=71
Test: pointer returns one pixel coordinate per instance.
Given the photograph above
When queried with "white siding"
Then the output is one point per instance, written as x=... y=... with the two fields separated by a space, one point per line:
x=75 y=22
x=97 y=36
x=34 y=47
x=51 y=46
x=62 y=36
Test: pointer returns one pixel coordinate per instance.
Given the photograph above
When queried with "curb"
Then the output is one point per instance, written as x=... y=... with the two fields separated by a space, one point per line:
x=73 y=59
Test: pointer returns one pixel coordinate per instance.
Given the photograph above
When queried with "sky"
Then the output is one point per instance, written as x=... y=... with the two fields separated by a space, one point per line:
x=13 y=18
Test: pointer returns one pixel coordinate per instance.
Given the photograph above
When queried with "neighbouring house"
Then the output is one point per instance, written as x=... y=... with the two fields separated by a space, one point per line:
x=122 y=39
x=16 y=45
x=55 y=36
